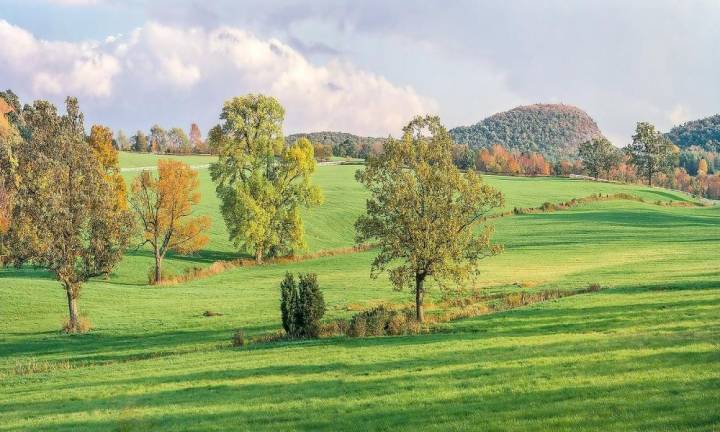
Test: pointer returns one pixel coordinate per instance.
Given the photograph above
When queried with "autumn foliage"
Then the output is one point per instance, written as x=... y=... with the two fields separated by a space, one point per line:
x=497 y=159
x=163 y=204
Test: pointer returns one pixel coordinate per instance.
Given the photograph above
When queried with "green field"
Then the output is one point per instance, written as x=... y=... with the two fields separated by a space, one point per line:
x=643 y=354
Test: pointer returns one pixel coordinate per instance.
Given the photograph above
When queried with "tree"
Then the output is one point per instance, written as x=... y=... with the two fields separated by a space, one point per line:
x=702 y=167
x=100 y=141
x=140 y=143
x=163 y=206
x=345 y=149
x=322 y=152
x=651 y=152
x=261 y=182
x=178 y=141
x=65 y=216
x=423 y=211
x=123 y=143
x=599 y=156
x=198 y=145
x=157 y=141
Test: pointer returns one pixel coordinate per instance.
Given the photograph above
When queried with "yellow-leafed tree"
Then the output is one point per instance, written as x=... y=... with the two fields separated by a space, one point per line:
x=163 y=205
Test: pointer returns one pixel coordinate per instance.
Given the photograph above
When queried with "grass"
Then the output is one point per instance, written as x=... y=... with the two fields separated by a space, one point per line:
x=643 y=354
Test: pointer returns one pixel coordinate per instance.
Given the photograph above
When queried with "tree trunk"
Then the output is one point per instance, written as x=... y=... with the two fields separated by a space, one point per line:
x=419 y=293
x=158 y=268
x=258 y=255
x=74 y=324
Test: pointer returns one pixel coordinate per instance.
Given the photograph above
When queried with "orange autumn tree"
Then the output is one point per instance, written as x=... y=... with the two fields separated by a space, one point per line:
x=164 y=207
x=101 y=141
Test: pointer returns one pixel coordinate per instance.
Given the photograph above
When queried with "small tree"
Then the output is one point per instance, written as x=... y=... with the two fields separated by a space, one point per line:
x=261 y=182
x=139 y=142
x=302 y=305
x=164 y=207
x=65 y=217
x=423 y=212
x=651 y=152
x=702 y=167
x=599 y=156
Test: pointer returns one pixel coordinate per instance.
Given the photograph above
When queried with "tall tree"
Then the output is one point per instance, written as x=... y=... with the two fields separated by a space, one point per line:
x=178 y=141
x=261 y=182
x=65 y=217
x=702 y=167
x=123 y=143
x=164 y=207
x=599 y=156
x=198 y=145
x=423 y=211
x=140 y=142
x=651 y=152
x=157 y=141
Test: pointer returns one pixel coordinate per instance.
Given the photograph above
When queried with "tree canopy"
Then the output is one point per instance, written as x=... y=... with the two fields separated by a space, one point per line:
x=599 y=156
x=65 y=216
x=424 y=212
x=163 y=206
x=651 y=152
x=261 y=182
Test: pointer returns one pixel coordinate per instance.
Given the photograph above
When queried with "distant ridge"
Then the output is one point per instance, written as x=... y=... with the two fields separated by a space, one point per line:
x=335 y=138
x=704 y=133
x=555 y=130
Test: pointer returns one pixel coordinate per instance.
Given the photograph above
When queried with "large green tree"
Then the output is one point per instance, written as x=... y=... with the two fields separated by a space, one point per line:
x=65 y=216
x=651 y=152
x=599 y=156
x=424 y=212
x=261 y=182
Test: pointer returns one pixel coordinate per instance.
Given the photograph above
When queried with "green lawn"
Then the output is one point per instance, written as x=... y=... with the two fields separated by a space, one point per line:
x=643 y=354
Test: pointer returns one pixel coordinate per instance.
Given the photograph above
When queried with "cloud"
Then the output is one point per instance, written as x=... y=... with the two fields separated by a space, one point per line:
x=174 y=75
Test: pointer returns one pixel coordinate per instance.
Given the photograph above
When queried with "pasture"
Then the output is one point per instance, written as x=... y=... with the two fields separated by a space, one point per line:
x=644 y=353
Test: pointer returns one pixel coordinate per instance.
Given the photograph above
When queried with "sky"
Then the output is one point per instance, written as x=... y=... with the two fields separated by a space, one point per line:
x=365 y=67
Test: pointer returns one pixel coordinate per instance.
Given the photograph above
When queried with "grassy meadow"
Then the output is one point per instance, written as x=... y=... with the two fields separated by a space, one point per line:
x=642 y=354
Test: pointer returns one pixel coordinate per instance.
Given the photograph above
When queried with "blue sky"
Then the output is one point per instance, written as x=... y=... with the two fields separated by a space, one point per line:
x=366 y=66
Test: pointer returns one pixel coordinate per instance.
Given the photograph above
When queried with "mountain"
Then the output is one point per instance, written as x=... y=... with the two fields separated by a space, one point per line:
x=555 y=130
x=335 y=138
x=704 y=133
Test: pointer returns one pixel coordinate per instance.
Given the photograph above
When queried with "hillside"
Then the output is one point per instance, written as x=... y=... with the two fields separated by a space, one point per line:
x=704 y=133
x=555 y=130
x=335 y=138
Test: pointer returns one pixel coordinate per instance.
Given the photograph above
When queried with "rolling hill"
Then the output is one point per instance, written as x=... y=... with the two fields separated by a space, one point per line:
x=616 y=359
x=555 y=130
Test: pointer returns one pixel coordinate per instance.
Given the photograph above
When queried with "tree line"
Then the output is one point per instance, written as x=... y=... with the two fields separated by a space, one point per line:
x=650 y=158
x=162 y=141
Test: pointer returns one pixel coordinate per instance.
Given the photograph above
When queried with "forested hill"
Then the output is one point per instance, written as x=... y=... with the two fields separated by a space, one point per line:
x=555 y=130
x=704 y=133
x=335 y=138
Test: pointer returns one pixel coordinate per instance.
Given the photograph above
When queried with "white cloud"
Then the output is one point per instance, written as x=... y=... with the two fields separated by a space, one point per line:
x=163 y=73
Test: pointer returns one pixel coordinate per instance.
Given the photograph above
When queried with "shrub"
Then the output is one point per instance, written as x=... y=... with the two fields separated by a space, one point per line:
x=380 y=321
x=302 y=305
x=84 y=326
x=238 y=338
x=594 y=287
x=514 y=300
x=164 y=275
